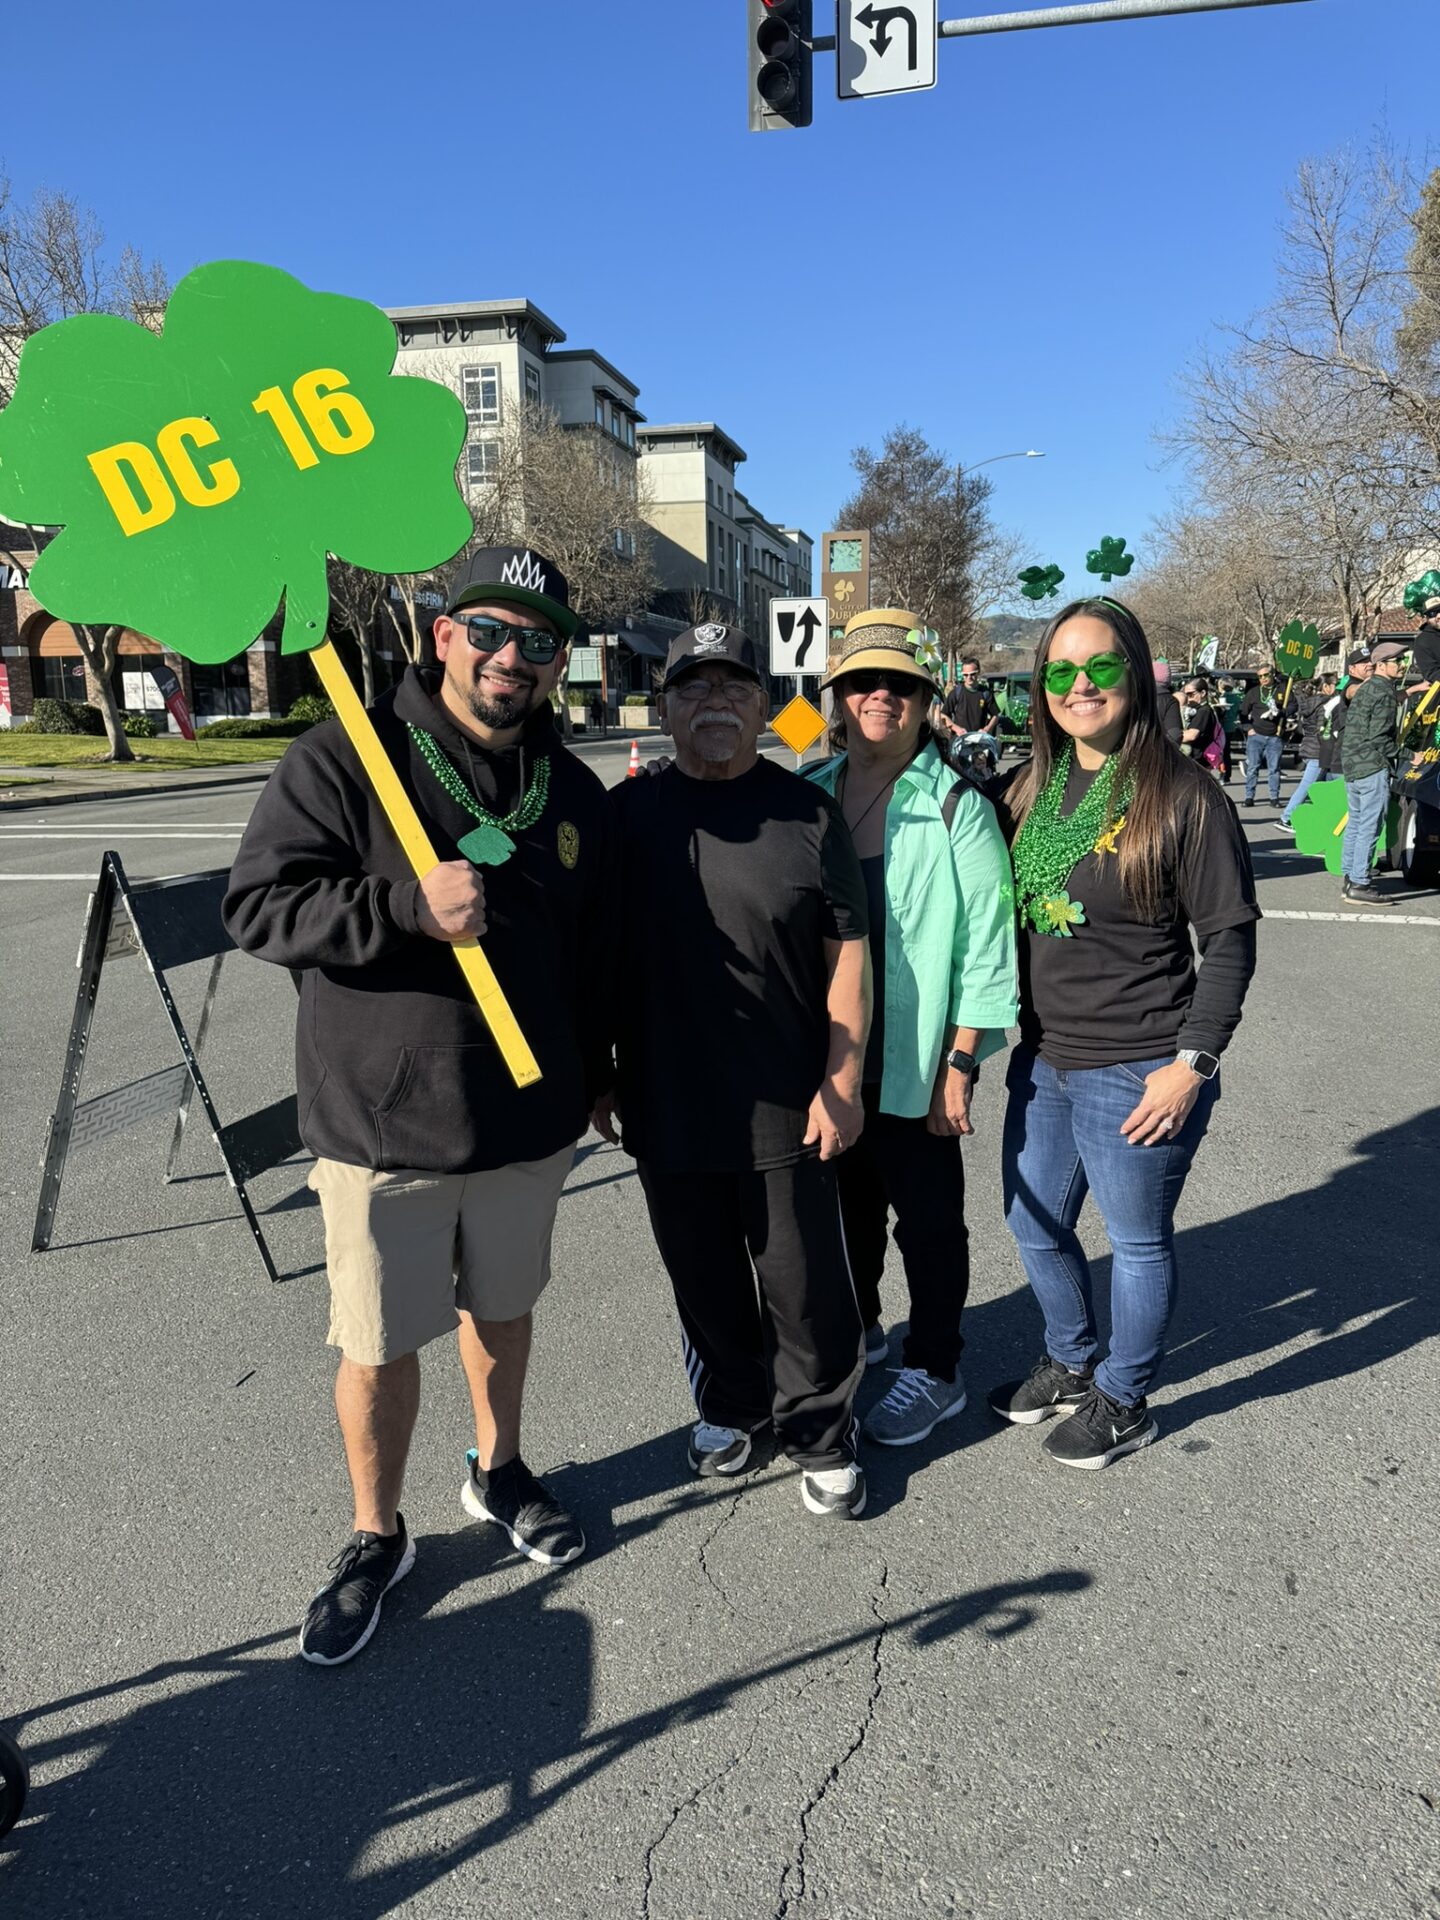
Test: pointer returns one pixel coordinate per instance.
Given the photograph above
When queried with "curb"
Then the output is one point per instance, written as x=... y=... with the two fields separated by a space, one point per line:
x=18 y=799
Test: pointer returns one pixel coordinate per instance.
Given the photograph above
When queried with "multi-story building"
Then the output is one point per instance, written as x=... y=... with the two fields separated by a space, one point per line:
x=712 y=544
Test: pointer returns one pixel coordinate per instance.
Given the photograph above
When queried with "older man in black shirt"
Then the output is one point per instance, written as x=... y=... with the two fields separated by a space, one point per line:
x=739 y=1063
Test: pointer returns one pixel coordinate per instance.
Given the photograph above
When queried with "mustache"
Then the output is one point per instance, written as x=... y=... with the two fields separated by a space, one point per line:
x=716 y=720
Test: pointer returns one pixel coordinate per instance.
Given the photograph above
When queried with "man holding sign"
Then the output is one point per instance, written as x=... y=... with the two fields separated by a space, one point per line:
x=439 y=1176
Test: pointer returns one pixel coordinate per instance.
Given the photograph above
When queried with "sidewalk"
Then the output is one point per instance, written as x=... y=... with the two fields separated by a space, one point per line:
x=58 y=786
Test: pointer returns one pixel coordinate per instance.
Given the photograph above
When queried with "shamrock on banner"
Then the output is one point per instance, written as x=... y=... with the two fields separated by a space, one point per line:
x=1109 y=558
x=204 y=472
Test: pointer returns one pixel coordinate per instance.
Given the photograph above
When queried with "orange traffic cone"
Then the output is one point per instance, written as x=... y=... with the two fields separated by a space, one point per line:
x=634 y=759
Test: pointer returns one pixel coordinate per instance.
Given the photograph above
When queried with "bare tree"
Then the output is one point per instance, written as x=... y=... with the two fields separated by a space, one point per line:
x=53 y=265
x=931 y=541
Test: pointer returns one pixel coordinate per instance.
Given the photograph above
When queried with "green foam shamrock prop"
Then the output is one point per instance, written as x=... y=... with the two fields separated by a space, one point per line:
x=1427 y=587
x=1297 y=652
x=202 y=472
x=1109 y=558
x=1040 y=583
x=1318 y=823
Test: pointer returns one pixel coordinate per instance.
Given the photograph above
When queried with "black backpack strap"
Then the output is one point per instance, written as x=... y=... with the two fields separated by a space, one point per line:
x=950 y=805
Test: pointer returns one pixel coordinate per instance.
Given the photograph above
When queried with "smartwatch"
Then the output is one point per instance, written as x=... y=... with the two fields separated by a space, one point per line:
x=1207 y=1065
x=961 y=1061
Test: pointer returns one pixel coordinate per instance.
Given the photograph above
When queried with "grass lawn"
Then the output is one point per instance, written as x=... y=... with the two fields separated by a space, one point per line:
x=89 y=750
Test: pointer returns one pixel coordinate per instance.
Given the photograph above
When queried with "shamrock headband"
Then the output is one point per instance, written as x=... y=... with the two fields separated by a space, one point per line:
x=1106 y=560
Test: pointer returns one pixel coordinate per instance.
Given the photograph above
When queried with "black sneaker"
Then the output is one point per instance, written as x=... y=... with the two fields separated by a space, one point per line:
x=514 y=1499
x=717 y=1450
x=1366 y=896
x=1099 y=1431
x=834 y=1490
x=1047 y=1389
x=344 y=1614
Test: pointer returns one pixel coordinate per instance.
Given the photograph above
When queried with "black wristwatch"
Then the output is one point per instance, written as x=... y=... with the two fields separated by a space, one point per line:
x=961 y=1061
x=1207 y=1065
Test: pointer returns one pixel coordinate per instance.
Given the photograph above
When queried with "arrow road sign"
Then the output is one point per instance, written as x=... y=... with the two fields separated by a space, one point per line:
x=797 y=636
x=884 y=49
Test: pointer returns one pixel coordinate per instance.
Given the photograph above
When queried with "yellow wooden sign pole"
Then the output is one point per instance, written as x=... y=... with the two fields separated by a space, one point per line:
x=415 y=843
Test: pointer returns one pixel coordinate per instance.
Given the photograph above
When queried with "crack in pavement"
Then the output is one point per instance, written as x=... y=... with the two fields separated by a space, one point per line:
x=794 y=1870
x=709 y=1541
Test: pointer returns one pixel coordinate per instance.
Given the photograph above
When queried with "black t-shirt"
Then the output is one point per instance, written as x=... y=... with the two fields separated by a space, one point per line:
x=1118 y=988
x=972 y=709
x=1427 y=653
x=731 y=888
x=1172 y=721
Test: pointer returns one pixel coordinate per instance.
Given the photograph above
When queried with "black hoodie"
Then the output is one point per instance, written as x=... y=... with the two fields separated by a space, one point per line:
x=395 y=1066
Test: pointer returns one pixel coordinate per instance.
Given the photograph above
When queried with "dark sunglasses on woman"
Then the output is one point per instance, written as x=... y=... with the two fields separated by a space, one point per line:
x=487 y=635
x=869 y=680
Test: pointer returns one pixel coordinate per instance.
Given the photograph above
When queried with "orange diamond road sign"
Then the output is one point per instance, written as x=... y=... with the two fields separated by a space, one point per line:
x=799 y=724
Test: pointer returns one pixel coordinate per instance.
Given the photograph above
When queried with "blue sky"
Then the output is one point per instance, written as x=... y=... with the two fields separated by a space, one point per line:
x=1023 y=257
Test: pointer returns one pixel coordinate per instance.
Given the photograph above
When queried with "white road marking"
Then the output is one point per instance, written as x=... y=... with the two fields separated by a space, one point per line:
x=112 y=833
x=117 y=826
x=1378 y=919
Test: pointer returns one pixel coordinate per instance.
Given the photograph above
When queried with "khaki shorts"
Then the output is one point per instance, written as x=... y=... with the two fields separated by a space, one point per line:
x=405 y=1249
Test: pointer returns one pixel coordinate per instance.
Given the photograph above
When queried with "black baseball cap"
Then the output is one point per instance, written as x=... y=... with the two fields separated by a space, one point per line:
x=707 y=645
x=518 y=576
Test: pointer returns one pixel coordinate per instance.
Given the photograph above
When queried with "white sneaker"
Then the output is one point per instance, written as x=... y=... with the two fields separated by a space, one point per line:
x=837 y=1490
x=717 y=1449
x=914 y=1407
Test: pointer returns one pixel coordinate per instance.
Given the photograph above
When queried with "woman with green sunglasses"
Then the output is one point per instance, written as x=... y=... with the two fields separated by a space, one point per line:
x=1126 y=856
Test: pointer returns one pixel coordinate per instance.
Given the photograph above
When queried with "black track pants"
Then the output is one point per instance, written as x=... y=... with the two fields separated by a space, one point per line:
x=898 y=1165
x=789 y=1350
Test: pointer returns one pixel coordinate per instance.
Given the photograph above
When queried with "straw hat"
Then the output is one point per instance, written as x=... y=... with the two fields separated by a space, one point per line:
x=883 y=638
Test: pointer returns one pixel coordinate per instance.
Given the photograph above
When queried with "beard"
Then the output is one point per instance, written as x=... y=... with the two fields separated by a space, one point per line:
x=716 y=740
x=497 y=710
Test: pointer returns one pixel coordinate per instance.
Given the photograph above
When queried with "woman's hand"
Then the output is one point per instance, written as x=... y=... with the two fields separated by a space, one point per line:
x=604 y=1118
x=950 y=1103
x=1170 y=1093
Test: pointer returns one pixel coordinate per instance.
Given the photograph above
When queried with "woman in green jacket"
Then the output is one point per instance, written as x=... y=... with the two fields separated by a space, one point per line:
x=942 y=934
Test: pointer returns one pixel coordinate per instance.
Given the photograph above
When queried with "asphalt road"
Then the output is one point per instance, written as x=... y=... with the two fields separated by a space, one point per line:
x=1198 y=1684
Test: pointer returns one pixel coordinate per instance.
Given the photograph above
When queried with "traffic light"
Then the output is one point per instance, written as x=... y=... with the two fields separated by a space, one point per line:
x=780 y=57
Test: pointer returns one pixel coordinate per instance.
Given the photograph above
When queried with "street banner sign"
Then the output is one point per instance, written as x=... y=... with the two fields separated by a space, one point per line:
x=173 y=694
x=884 y=48
x=799 y=632
x=5 y=714
x=1208 y=655
x=844 y=575
x=799 y=724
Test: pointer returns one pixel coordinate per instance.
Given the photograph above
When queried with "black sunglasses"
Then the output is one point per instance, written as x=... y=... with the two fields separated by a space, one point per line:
x=537 y=644
x=869 y=680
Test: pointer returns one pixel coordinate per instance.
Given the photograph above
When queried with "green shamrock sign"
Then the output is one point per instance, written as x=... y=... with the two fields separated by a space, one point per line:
x=1426 y=588
x=1040 y=583
x=1297 y=651
x=201 y=473
x=1109 y=558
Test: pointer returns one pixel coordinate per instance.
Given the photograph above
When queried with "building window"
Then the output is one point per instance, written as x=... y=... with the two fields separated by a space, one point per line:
x=629 y=431
x=532 y=383
x=480 y=393
x=482 y=461
x=599 y=411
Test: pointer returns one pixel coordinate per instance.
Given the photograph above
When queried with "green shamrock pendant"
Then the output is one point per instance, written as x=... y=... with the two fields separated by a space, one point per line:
x=1059 y=914
x=486 y=846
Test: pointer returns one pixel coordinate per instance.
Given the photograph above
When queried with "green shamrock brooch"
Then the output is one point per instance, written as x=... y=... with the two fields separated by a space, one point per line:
x=203 y=472
x=1109 y=558
x=1041 y=583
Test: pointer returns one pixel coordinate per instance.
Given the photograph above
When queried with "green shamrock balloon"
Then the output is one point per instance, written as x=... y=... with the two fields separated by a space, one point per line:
x=1040 y=583
x=1427 y=587
x=201 y=473
x=1297 y=652
x=1109 y=558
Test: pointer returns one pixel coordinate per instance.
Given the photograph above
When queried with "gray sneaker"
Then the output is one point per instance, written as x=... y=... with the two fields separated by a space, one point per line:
x=914 y=1407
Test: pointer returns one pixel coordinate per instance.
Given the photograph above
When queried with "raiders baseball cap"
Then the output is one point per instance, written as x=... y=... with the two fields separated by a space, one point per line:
x=711 y=645
x=520 y=577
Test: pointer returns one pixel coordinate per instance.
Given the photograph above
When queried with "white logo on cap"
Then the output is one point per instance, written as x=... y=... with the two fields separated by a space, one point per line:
x=710 y=638
x=527 y=571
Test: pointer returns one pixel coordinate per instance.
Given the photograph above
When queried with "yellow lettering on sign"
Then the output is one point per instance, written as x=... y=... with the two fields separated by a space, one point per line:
x=224 y=481
x=338 y=421
x=273 y=402
x=134 y=516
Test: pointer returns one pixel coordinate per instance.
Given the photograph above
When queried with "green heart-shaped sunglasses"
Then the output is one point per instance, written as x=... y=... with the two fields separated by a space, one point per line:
x=1103 y=670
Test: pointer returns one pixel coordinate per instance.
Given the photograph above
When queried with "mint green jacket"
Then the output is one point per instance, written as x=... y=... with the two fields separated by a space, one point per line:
x=949 y=927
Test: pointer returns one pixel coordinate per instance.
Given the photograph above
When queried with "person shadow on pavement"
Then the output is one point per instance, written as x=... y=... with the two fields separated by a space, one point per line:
x=1346 y=1268
x=248 y=1782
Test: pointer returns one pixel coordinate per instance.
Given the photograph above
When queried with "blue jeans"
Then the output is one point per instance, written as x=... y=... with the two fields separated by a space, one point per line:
x=1367 y=800
x=1309 y=774
x=1262 y=747
x=1062 y=1141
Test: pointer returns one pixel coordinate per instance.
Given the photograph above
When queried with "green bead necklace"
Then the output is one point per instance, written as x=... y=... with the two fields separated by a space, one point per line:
x=1047 y=848
x=489 y=844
